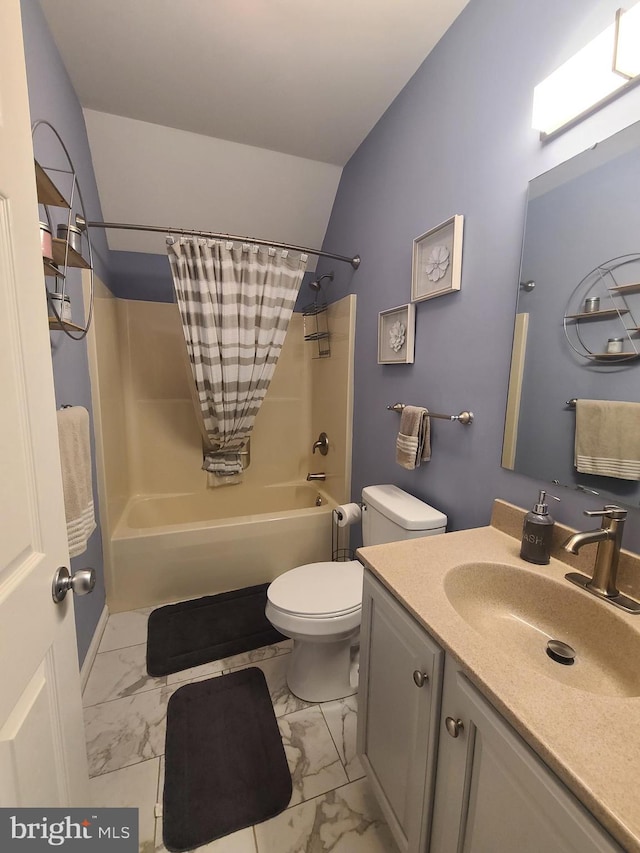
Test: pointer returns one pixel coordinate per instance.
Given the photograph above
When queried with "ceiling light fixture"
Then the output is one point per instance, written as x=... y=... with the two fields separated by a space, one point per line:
x=600 y=71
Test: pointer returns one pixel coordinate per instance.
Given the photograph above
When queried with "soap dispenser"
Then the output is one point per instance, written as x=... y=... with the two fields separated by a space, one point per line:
x=537 y=531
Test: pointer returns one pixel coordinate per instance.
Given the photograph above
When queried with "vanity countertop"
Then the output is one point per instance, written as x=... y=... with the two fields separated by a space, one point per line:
x=591 y=741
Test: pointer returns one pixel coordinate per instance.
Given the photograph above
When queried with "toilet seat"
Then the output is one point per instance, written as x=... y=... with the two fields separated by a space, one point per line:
x=319 y=590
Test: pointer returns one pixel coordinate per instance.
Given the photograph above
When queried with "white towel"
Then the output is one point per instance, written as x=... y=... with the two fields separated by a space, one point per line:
x=75 y=460
x=608 y=438
x=413 y=444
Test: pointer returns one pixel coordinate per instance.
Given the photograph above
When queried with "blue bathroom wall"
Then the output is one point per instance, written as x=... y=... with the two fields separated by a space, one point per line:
x=52 y=97
x=147 y=277
x=458 y=139
x=141 y=275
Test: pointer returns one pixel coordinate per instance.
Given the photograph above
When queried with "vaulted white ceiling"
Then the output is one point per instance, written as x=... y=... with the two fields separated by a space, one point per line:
x=235 y=115
x=305 y=77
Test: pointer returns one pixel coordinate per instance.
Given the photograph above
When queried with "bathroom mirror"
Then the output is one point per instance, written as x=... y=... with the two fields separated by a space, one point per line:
x=582 y=238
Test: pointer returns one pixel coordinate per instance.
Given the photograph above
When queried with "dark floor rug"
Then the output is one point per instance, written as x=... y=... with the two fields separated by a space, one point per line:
x=225 y=766
x=191 y=633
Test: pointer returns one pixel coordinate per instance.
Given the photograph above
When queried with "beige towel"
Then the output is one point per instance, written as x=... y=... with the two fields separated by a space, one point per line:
x=413 y=444
x=75 y=459
x=608 y=438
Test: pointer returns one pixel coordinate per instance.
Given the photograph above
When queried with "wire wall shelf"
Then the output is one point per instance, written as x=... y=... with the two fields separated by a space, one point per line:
x=64 y=256
x=599 y=322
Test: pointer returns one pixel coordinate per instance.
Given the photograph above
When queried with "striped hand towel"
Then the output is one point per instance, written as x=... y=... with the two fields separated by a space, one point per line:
x=75 y=460
x=413 y=444
x=607 y=439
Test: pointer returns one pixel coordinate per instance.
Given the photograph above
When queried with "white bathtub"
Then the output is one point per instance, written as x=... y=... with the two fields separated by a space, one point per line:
x=176 y=547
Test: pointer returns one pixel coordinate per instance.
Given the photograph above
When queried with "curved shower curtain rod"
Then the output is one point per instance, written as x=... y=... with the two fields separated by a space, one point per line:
x=82 y=224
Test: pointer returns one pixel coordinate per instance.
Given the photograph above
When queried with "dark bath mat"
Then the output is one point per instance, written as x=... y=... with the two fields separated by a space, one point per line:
x=225 y=766
x=191 y=633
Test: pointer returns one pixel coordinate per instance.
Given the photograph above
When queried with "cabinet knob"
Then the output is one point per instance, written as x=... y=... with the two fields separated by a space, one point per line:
x=420 y=678
x=454 y=727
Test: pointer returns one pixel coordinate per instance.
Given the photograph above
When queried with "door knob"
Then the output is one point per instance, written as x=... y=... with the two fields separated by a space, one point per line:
x=80 y=583
x=420 y=678
x=454 y=727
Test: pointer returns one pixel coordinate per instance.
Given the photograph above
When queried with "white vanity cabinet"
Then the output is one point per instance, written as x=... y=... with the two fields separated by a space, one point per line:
x=487 y=792
x=398 y=714
x=492 y=791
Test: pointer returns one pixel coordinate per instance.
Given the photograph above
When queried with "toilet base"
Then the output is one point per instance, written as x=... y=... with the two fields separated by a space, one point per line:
x=320 y=672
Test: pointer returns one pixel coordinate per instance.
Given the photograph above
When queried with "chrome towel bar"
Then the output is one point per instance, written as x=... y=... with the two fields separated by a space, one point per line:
x=465 y=418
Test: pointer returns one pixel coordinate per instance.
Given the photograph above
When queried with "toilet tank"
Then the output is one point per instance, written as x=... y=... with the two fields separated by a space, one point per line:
x=389 y=515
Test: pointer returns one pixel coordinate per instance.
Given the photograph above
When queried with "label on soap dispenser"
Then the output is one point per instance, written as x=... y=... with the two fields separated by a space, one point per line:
x=536 y=540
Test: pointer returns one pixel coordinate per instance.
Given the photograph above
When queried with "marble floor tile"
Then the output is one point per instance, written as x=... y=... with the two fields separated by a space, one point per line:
x=311 y=754
x=119 y=673
x=275 y=672
x=131 y=787
x=342 y=719
x=346 y=820
x=125 y=629
x=235 y=662
x=255 y=655
x=125 y=718
x=125 y=731
x=196 y=673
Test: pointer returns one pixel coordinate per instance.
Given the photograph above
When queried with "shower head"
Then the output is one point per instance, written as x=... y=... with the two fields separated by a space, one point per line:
x=317 y=283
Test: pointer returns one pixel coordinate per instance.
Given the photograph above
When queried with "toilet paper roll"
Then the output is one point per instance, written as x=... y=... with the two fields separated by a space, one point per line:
x=348 y=514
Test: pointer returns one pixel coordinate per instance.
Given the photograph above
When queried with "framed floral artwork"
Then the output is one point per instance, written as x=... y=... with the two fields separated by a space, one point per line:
x=437 y=260
x=396 y=331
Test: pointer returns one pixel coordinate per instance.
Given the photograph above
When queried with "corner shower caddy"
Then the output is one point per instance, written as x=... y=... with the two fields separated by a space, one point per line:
x=65 y=256
x=316 y=327
x=602 y=282
x=315 y=319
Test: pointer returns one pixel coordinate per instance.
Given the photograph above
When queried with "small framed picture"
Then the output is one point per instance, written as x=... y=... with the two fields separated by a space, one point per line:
x=437 y=260
x=396 y=332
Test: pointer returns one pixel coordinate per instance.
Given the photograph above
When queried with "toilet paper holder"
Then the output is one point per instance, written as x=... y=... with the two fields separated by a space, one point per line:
x=340 y=526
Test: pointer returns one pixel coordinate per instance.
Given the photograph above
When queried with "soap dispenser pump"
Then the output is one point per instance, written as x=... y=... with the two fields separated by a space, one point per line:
x=537 y=531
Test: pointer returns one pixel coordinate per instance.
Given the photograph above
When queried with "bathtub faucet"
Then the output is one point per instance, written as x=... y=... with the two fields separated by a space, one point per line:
x=319 y=476
x=322 y=444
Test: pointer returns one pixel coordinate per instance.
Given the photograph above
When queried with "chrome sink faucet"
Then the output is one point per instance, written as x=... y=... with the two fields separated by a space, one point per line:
x=609 y=539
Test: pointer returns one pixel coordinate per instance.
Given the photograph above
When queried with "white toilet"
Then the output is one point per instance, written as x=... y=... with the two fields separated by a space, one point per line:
x=319 y=605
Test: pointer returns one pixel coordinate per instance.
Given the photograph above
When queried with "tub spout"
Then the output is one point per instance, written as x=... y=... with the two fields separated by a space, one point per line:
x=319 y=476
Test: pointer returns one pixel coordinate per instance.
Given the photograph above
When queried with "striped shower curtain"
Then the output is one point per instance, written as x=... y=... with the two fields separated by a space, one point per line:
x=235 y=302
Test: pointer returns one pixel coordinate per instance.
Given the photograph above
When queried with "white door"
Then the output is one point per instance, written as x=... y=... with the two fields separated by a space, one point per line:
x=42 y=752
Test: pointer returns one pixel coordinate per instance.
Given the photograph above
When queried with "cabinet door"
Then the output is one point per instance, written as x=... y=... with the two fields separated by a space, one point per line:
x=397 y=718
x=493 y=793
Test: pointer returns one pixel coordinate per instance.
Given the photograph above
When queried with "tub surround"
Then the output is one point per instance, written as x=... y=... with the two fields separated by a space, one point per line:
x=589 y=740
x=151 y=432
x=149 y=452
x=332 y=398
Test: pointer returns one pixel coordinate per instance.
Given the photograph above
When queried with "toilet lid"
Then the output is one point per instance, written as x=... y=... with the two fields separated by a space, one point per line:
x=319 y=589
